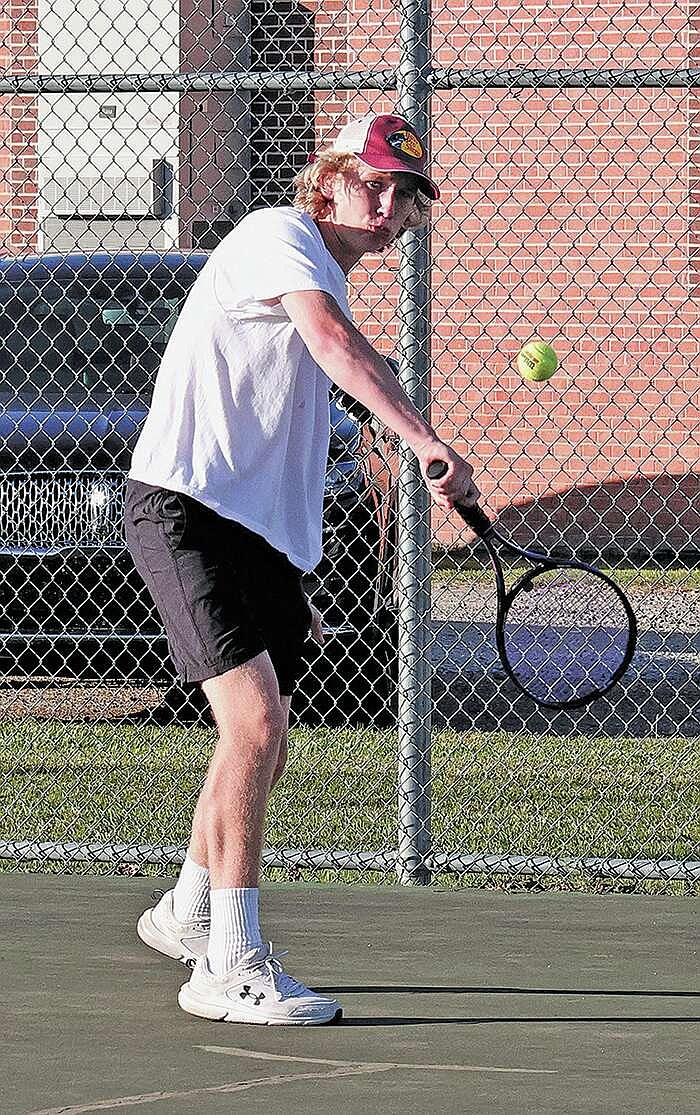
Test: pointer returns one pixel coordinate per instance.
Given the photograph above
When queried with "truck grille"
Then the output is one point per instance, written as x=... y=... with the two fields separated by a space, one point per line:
x=50 y=512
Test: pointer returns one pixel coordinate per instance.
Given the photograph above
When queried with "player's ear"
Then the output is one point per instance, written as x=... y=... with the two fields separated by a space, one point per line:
x=327 y=184
x=415 y=218
x=419 y=214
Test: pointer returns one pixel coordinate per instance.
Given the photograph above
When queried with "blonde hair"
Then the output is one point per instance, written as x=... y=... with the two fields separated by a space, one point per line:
x=310 y=198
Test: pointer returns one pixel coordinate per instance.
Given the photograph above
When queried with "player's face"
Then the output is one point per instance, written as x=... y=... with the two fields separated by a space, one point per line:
x=371 y=207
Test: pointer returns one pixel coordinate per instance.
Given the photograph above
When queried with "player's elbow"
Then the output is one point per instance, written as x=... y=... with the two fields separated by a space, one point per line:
x=331 y=338
x=338 y=351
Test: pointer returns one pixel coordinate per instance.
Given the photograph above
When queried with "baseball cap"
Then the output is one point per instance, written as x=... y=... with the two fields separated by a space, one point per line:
x=387 y=143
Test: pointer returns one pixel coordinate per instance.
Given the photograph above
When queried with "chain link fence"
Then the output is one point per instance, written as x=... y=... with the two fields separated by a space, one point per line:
x=566 y=142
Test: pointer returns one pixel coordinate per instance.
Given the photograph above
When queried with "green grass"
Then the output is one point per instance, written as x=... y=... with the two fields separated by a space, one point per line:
x=500 y=792
x=642 y=580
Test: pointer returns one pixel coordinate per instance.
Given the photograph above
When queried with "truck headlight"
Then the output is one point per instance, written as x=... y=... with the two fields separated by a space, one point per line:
x=105 y=510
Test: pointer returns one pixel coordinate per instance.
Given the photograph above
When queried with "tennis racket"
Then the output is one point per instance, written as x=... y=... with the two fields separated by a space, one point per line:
x=565 y=632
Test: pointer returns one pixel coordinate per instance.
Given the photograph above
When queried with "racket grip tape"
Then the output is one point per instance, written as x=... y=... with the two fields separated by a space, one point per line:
x=474 y=516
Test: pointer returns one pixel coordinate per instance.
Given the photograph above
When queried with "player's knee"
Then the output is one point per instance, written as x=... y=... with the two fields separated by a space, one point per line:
x=270 y=725
x=256 y=736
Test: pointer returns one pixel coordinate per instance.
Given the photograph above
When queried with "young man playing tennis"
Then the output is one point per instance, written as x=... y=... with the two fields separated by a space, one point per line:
x=224 y=511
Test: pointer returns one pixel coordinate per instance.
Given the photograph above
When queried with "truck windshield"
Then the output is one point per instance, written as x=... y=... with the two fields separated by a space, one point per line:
x=83 y=339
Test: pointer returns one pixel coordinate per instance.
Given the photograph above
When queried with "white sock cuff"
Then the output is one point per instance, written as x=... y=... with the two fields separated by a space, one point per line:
x=235 y=926
x=236 y=905
x=195 y=869
x=191 y=894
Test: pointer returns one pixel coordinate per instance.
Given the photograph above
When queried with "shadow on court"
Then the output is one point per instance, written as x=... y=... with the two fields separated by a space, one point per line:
x=455 y=1001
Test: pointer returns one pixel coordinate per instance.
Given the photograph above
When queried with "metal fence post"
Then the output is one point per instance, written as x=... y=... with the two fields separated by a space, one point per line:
x=414 y=712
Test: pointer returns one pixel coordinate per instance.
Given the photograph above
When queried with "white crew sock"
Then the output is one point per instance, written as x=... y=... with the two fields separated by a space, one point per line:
x=191 y=894
x=235 y=928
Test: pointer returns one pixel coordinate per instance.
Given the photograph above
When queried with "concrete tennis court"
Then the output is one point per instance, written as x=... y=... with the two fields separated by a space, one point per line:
x=455 y=1001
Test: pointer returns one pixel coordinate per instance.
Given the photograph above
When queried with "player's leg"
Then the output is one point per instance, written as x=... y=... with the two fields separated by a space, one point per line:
x=257 y=989
x=190 y=902
x=224 y=595
x=240 y=979
x=282 y=754
x=228 y=825
x=196 y=574
x=227 y=830
x=179 y=925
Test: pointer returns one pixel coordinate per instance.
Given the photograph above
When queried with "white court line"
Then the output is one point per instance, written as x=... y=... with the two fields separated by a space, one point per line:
x=232 y=1086
x=232 y=1051
x=338 y=1069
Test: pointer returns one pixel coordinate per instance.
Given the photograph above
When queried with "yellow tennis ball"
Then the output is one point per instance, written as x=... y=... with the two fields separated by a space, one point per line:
x=537 y=361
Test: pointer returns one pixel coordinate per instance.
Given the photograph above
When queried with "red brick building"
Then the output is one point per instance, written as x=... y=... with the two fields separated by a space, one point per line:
x=567 y=213
x=18 y=132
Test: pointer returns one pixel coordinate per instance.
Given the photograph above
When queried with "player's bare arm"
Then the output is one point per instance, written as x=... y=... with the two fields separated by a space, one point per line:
x=353 y=364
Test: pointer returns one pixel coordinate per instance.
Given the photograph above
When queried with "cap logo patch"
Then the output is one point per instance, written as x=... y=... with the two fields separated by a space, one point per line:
x=406 y=142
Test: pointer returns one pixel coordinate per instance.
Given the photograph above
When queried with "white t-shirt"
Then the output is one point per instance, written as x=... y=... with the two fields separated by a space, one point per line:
x=240 y=411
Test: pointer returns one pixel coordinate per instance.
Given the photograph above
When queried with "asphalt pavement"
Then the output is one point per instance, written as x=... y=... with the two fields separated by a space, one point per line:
x=455 y=1001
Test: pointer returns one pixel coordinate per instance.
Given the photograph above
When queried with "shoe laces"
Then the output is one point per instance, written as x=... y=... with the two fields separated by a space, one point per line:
x=272 y=972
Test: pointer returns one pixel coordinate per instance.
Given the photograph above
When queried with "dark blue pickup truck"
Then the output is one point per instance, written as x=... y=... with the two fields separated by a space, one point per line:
x=80 y=342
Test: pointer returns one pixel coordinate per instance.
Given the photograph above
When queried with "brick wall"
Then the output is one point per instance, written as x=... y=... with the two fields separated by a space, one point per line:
x=694 y=154
x=572 y=214
x=5 y=154
x=566 y=214
x=18 y=132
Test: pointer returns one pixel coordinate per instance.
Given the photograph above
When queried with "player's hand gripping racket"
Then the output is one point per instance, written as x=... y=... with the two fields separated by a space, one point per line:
x=565 y=632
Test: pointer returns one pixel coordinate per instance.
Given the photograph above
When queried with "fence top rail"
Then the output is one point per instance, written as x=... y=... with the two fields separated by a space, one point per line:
x=285 y=80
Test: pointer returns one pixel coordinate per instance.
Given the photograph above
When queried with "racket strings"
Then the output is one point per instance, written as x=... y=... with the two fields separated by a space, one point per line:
x=566 y=634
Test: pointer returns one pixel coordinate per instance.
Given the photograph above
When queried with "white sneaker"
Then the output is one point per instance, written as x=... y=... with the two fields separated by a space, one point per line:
x=183 y=940
x=257 y=990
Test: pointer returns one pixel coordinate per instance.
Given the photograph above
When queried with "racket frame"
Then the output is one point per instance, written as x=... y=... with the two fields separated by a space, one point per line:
x=484 y=529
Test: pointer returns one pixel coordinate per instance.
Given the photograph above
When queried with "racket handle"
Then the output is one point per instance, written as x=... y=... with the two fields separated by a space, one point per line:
x=474 y=516
x=436 y=469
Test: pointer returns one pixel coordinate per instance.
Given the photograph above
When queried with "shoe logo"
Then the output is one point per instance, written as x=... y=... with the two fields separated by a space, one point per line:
x=247 y=993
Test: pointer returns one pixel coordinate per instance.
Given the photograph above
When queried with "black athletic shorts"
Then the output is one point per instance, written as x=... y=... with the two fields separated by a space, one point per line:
x=224 y=594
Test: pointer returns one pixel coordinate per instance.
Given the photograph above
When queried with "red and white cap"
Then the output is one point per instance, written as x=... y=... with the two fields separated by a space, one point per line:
x=387 y=143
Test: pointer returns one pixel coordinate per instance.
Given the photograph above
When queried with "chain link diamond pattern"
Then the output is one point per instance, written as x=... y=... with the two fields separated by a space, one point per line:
x=566 y=143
